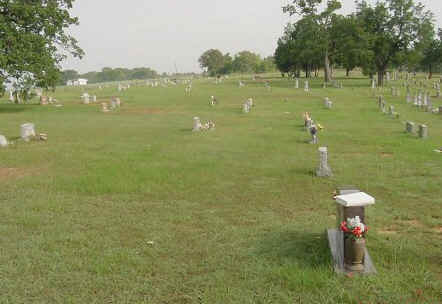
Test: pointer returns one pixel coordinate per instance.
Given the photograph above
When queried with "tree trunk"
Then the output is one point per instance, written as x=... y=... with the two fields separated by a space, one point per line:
x=381 y=74
x=327 y=72
x=431 y=73
x=347 y=72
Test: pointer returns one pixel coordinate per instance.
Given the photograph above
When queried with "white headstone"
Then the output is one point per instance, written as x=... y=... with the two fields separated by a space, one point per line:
x=3 y=141
x=196 y=124
x=27 y=131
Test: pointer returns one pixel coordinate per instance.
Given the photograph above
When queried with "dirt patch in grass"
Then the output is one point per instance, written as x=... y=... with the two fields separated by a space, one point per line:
x=388 y=231
x=143 y=111
x=386 y=154
x=437 y=230
x=412 y=223
x=14 y=173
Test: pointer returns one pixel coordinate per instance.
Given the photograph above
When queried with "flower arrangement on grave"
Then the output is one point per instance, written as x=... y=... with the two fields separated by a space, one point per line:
x=354 y=243
x=354 y=228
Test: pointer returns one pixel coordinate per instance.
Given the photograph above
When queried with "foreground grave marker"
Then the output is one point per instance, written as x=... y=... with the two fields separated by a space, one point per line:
x=349 y=253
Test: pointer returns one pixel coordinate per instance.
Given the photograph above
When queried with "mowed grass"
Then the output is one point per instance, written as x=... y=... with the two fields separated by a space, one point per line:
x=133 y=207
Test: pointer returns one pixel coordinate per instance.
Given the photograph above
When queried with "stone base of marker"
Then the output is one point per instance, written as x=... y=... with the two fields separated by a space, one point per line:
x=350 y=202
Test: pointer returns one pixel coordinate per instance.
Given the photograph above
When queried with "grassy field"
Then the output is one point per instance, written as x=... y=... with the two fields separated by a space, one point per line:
x=133 y=207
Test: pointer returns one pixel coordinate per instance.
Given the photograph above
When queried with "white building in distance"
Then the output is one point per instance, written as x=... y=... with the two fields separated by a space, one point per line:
x=78 y=82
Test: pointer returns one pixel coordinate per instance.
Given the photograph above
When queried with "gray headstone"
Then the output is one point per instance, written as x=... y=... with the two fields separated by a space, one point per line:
x=409 y=127
x=323 y=170
x=423 y=131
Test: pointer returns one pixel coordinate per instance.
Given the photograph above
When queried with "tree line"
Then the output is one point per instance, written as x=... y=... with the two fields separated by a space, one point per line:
x=214 y=63
x=108 y=74
x=398 y=34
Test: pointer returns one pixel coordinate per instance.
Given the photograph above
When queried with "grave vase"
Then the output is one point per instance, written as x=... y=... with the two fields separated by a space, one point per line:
x=354 y=251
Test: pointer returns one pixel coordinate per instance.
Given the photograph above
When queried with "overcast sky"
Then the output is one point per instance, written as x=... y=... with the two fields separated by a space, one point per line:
x=160 y=34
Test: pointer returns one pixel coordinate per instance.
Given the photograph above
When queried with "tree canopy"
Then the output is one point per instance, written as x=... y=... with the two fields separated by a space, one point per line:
x=376 y=37
x=33 y=41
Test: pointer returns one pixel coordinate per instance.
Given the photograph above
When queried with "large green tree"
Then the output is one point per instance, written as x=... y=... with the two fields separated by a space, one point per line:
x=246 y=62
x=212 y=61
x=33 y=41
x=323 y=20
x=298 y=49
x=393 y=28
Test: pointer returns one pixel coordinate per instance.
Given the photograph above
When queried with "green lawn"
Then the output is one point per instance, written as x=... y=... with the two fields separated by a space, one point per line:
x=133 y=207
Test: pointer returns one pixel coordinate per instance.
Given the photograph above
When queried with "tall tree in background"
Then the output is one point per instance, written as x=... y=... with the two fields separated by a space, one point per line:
x=33 y=42
x=393 y=29
x=323 y=20
x=432 y=55
x=212 y=60
x=246 y=62
x=349 y=38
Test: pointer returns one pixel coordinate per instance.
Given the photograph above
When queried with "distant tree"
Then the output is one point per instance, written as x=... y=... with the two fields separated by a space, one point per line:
x=322 y=21
x=298 y=49
x=246 y=62
x=212 y=61
x=227 y=65
x=119 y=74
x=393 y=28
x=348 y=37
x=266 y=65
x=433 y=55
x=68 y=75
x=33 y=41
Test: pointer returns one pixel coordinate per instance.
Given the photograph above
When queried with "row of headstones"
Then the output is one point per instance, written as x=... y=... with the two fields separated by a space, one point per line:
x=383 y=107
x=336 y=84
x=311 y=127
x=27 y=132
x=123 y=87
x=409 y=126
x=87 y=98
x=423 y=102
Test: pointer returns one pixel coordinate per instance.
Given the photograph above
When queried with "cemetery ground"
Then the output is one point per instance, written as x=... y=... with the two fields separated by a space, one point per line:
x=133 y=207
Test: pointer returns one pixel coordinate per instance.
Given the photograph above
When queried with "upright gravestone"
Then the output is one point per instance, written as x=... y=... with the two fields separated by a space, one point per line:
x=423 y=131
x=324 y=169
x=3 y=141
x=328 y=103
x=27 y=131
x=409 y=127
x=408 y=98
x=351 y=206
x=196 y=124
x=296 y=83
x=306 y=88
x=391 y=110
x=246 y=107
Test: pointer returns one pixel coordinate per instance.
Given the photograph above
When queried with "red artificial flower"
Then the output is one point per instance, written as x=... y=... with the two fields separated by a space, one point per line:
x=344 y=226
